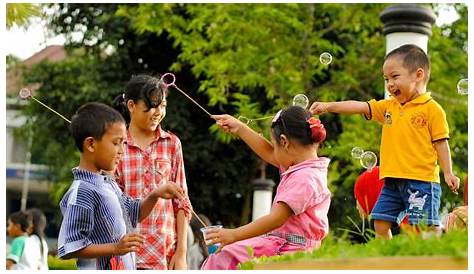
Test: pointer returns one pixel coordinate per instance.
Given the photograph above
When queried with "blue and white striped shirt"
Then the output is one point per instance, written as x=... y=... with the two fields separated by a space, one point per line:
x=92 y=214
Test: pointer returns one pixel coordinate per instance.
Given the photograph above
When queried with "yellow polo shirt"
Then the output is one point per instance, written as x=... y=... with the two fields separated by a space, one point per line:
x=408 y=134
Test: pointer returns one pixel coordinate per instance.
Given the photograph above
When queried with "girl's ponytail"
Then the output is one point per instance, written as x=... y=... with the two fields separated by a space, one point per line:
x=317 y=132
x=296 y=123
x=120 y=104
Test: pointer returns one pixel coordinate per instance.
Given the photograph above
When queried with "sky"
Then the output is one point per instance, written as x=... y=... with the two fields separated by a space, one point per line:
x=24 y=43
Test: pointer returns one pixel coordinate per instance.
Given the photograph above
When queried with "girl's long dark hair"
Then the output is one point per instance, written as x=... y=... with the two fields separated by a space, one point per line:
x=140 y=87
x=39 y=225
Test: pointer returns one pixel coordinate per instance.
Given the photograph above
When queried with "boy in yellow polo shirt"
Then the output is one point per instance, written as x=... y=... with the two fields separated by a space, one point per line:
x=414 y=136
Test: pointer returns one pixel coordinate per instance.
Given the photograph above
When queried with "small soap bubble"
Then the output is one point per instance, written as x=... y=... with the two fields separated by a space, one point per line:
x=325 y=58
x=356 y=152
x=368 y=160
x=301 y=100
x=462 y=86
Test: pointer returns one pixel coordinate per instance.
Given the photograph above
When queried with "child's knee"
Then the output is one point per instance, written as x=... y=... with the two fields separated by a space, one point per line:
x=382 y=226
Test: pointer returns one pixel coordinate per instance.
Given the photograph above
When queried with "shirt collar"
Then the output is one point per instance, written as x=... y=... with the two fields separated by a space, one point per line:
x=320 y=163
x=87 y=176
x=423 y=98
x=159 y=133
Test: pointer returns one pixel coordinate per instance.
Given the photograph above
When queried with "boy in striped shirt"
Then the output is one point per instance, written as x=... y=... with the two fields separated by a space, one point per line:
x=98 y=218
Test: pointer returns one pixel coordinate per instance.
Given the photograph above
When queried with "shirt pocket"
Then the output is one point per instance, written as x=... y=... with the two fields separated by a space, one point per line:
x=161 y=170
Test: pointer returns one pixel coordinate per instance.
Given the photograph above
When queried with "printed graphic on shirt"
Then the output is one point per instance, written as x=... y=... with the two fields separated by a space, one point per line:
x=419 y=120
x=387 y=116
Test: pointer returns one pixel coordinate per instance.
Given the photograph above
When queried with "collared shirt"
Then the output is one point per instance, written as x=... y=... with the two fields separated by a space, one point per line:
x=140 y=172
x=92 y=214
x=303 y=187
x=408 y=134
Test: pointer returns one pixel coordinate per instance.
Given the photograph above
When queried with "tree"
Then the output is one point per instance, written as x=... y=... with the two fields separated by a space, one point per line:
x=20 y=14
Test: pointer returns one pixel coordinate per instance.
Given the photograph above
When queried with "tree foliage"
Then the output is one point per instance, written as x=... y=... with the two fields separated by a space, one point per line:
x=20 y=14
x=241 y=59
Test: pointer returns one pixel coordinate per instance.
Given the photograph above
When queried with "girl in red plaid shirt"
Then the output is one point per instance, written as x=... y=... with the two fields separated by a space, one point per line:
x=152 y=157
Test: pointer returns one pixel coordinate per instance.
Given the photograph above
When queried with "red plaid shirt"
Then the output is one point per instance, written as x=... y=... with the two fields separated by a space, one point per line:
x=138 y=173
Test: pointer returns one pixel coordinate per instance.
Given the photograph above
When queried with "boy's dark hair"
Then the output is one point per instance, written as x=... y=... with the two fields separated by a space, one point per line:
x=413 y=58
x=92 y=120
x=293 y=122
x=141 y=87
x=21 y=218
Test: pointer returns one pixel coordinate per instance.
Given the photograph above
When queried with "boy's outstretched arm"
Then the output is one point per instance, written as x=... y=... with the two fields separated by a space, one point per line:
x=165 y=191
x=261 y=146
x=444 y=156
x=345 y=107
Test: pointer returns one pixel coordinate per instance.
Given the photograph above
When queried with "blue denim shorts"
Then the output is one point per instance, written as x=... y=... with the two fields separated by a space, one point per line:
x=418 y=200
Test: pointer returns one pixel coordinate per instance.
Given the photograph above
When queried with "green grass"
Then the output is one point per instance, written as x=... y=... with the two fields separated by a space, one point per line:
x=453 y=244
x=54 y=263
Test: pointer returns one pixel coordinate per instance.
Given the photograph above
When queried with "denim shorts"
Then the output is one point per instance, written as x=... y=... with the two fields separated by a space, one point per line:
x=418 y=200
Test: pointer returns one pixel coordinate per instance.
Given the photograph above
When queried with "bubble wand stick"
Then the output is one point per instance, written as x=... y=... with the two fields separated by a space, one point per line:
x=25 y=94
x=172 y=84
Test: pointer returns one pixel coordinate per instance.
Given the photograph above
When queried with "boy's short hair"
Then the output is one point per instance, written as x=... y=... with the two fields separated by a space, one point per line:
x=21 y=218
x=92 y=120
x=413 y=58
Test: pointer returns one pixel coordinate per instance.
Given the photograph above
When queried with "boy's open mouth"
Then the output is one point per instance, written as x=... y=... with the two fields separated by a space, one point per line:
x=397 y=93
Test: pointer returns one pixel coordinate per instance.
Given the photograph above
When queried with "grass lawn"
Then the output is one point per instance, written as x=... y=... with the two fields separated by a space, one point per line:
x=453 y=244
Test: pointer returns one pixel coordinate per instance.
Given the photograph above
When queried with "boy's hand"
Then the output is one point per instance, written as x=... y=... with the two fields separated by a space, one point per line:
x=228 y=123
x=452 y=181
x=129 y=243
x=222 y=236
x=319 y=108
x=169 y=191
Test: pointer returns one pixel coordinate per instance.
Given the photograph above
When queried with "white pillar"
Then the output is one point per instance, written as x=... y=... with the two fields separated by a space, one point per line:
x=262 y=197
x=406 y=24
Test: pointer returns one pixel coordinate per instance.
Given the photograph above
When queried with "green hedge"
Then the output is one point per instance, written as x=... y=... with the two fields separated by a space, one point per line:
x=54 y=263
x=454 y=244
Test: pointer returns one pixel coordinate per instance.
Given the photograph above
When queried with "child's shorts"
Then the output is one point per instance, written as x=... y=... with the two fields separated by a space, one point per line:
x=419 y=200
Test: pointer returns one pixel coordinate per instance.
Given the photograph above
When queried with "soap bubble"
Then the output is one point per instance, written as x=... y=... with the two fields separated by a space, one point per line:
x=368 y=160
x=301 y=100
x=356 y=152
x=325 y=58
x=462 y=86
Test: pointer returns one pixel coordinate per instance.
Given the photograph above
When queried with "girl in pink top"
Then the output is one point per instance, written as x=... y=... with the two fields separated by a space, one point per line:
x=298 y=217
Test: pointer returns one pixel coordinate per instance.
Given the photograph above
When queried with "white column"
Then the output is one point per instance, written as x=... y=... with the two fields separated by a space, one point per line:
x=262 y=203
x=262 y=197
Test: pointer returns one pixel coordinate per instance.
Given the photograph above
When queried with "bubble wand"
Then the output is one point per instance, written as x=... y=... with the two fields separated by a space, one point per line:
x=25 y=94
x=299 y=100
x=172 y=84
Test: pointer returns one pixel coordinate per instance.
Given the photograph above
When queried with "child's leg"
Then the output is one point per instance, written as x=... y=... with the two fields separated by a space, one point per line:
x=230 y=256
x=388 y=207
x=382 y=229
